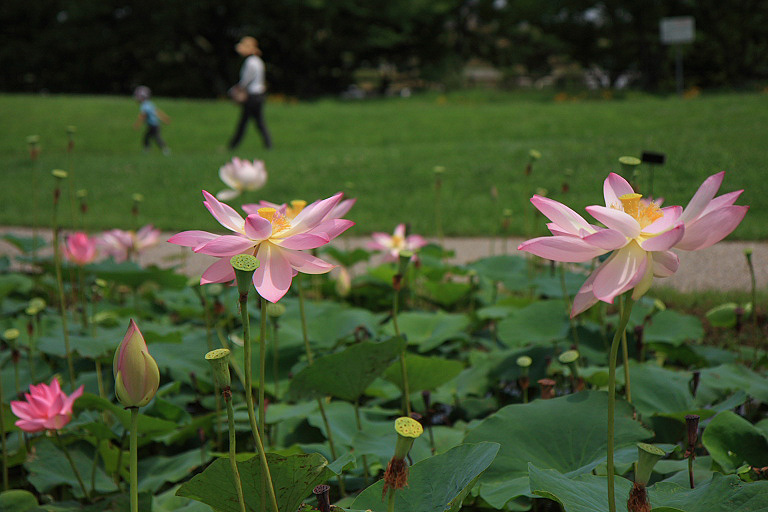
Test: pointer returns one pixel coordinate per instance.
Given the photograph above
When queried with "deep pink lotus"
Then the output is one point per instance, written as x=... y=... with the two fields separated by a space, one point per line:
x=640 y=234
x=396 y=242
x=270 y=235
x=80 y=249
x=121 y=245
x=47 y=407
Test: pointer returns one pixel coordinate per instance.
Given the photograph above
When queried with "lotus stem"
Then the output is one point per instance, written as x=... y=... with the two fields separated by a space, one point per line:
x=320 y=405
x=233 y=453
x=2 y=437
x=625 y=357
x=262 y=366
x=244 y=269
x=567 y=298
x=753 y=280
x=626 y=309
x=72 y=464
x=134 y=462
x=60 y=283
x=366 y=471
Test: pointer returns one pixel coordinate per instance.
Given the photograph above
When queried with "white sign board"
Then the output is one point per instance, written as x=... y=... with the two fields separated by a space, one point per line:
x=677 y=30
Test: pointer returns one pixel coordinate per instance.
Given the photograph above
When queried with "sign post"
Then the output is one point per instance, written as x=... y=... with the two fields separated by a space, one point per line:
x=677 y=31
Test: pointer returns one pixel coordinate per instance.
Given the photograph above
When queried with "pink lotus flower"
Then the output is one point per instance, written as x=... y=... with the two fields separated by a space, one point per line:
x=80 y=249
x=396 y=242
x=640 y=236
x=122 y=244
x=268 y=234
x=46 y=408
x=292 y=209
x=240 y=175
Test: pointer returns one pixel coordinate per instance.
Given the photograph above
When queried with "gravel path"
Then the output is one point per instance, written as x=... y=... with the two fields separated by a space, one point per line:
x=720 y=267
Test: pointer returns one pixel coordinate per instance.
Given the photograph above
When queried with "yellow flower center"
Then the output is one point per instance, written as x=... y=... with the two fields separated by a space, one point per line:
x=297 y=205
x=645 y=214
x=398 y=242
x=279 y=222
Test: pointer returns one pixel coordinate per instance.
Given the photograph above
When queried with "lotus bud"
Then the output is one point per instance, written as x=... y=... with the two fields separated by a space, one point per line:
x=275 y=310
x=136 y=374
x=343 y=282
x=692 y=427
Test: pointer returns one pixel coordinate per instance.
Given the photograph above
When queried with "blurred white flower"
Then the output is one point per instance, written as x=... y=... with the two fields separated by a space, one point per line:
x=241 y=175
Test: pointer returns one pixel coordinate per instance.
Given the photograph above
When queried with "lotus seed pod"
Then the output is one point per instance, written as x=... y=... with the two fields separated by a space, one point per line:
x=648 y=456
x=534 y=155
x=275 y=310
x=628 y=163
x=137 y=198
x=11 y=334
x=524 y=361
x=408 y=429
x=245 y=265
x=219 y=360
x=59 y=173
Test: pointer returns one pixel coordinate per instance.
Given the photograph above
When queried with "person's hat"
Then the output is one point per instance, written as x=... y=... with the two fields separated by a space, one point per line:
x=142 y=93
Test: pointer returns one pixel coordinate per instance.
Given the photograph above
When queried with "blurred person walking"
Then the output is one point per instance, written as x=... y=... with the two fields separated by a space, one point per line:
x=250 y=91
x=151 y=116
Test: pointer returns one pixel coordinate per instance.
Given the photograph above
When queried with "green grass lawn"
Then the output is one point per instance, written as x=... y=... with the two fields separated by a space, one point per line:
x=383 y=152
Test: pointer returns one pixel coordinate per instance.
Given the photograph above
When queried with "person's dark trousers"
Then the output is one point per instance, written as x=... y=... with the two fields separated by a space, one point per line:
x=253 y=107
x=153 y=133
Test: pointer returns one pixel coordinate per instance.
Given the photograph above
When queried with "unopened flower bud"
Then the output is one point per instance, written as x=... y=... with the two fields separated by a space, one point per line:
x=136 y=374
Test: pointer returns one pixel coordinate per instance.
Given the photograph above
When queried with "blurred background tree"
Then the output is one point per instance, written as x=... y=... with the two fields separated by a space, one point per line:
x=316 y=47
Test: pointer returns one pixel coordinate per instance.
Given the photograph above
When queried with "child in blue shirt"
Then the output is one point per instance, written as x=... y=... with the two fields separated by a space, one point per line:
x=152 y=117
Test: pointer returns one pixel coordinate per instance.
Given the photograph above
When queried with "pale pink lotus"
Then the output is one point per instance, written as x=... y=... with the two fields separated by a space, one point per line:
x=241 y=175
x=121 y=245
x=80 y=249
x=273 y=238
x=47 y=407
x=641 y=236
x=395 y=243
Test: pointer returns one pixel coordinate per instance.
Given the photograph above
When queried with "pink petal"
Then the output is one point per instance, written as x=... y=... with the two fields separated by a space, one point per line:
x=646 y=281
x=57 y=422
x=722 y=201
x=399 y=231
x=557 y=231
x=561 y=248
x=333 y=227
x=192 y=238
x=619 y=273
x=220 y=272
x=567 y=219
x=227 y=194
x=711 y=228
x=312 y=215
x=665 y=240
x=30 y=425
x=273 y=277
x=702 y=197
x=665 y=263
x=225 y=214
x=70 y=400
x=614 y=187
x=257 y=227
x=251 y=208
x=303 y=241
x=585 y=298
x=226 y=245
x=413 y=242
x=342 y=208
x=22 y=410
x=616 y=219
x=608 y=239
x=307 y=264
x=670 y=218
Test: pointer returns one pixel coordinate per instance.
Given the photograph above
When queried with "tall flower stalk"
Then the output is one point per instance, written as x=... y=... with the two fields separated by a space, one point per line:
x=60 y=176
x=438 y=172
x=639 y=236
x=219 y=360
x=397 y=284
x=244 y=266
x=320 y=404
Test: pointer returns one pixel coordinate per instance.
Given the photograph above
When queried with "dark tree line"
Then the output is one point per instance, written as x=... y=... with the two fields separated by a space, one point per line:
x=313 y=47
